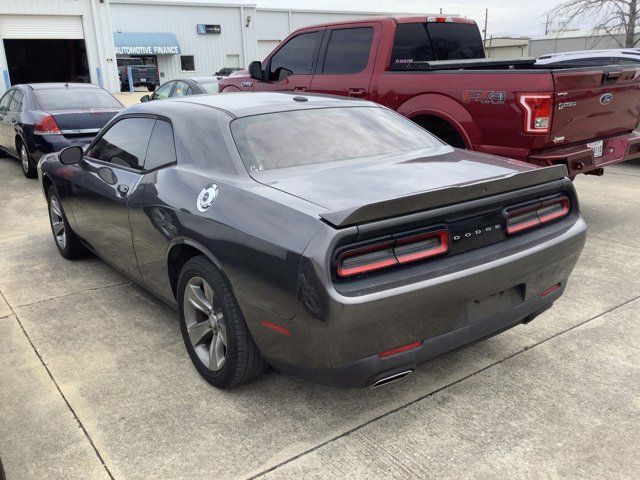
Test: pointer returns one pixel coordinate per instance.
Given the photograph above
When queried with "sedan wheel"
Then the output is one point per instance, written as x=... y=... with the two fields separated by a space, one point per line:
x=27 y=166
x=205 y=323
x=57 y=222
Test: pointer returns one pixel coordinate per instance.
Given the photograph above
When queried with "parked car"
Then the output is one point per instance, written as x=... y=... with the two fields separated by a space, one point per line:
x=184 y=86
x=346 y=254
x=591 y=58
x=226 y=71
x=433 y=71
x=40 y=118
x=142 y=75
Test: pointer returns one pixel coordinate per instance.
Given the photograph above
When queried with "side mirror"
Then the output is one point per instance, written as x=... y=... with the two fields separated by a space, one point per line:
x=255 y=70
x=71 y=155
x=145 y=98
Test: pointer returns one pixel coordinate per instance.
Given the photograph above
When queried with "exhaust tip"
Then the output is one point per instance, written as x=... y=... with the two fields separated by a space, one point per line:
x=391 y=378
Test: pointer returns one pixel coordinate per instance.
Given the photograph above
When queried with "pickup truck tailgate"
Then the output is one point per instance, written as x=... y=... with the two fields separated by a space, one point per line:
x=595 y=103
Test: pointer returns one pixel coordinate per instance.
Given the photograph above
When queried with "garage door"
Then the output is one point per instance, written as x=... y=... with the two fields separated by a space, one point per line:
x=265 y=47
x=40 y=27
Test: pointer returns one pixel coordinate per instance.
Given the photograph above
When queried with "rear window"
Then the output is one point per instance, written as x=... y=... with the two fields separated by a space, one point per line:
x=425 y=42
x=209 y=87
x=70 y=98
x=303 y=137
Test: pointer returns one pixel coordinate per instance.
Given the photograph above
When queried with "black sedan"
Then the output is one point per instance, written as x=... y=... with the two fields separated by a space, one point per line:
x=41 y=118
x=333 y=239
x=182 y=87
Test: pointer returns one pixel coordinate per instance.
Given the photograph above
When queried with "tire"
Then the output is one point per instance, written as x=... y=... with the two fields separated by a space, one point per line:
x=28 y=168
x=151 y=88
x=65 y=239
x=218 y=342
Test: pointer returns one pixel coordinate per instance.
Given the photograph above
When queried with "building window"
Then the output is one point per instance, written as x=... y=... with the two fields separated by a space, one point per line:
x=187 y=64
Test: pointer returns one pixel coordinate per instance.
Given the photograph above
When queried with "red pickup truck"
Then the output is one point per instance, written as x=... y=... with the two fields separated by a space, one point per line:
x=433 y=70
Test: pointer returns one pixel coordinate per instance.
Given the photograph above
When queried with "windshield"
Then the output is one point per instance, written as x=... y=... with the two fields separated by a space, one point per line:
x=71 y=98
x=303 y=137
x=209 y=87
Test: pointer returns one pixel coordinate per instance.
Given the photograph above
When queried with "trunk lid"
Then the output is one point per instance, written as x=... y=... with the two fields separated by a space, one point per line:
x=367 y=190
x=82 y=122
x=595 y=103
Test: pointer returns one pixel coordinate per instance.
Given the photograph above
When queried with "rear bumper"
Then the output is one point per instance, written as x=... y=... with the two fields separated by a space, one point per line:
x=580 y=158
x=369 y=370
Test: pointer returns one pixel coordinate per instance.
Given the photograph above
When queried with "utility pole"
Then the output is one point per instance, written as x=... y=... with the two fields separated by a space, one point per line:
x=546 y=25
x=484 y=32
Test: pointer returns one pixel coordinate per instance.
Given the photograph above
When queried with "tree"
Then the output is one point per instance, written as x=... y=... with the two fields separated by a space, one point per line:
x=617 y=19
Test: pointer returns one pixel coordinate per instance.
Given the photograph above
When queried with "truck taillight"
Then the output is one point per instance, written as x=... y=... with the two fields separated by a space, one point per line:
x=440 y=19
x=538 y=108
x=392 y=252
x=46 y=125
x=520 y=219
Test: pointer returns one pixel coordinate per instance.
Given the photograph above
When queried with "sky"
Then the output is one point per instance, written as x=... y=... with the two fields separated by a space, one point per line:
x=512 y=17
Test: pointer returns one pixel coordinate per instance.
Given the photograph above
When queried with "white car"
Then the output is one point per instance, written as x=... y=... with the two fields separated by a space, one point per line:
x=592 y=58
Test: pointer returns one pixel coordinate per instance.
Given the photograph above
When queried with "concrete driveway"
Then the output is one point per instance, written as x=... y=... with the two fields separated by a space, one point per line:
x=96 y=384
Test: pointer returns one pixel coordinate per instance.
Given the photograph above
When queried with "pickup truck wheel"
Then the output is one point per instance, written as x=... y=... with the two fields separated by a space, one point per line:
x=66 y=240
x=28 y=168
x=213 y=327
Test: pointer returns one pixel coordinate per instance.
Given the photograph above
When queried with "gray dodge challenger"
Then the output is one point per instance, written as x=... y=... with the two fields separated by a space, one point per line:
x=330 y=238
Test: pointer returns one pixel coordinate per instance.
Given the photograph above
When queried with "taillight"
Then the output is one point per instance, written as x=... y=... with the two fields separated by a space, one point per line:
x=392 y=252
x=520 y=219
x=46 y=125
x=537 y=109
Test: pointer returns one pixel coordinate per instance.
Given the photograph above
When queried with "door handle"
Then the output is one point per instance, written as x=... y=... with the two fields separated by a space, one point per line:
x=300 y=89
x=357 y=92
x=123 y=189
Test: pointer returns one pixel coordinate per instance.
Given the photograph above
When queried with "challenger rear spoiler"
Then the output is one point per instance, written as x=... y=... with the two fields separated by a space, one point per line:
x=442 y=197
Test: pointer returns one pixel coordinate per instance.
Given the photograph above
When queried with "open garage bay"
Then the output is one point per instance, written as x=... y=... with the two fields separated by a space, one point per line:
x=95 y=382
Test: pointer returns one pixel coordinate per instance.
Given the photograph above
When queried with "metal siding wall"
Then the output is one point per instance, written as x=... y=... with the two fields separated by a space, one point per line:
x=272 y=25
x=66 y=7
x=543 y=46
x=209 y=50
x=304 y=19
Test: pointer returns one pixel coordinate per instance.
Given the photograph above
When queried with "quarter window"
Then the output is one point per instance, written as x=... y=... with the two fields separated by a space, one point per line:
x=295 y=57
x=4 y=101
x=187 y=63
x=162 y=150
x=348 y=51
x=16 y=101
x=125 y=143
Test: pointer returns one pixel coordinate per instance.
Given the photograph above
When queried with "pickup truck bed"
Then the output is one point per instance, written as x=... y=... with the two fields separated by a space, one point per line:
x=583 y=118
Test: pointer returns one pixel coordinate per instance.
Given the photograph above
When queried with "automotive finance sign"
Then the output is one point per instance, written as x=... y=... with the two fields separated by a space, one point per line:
x=143 y=43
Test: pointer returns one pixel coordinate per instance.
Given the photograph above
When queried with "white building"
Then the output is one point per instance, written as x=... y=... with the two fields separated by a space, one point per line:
x=80 y=40
x=573 y=40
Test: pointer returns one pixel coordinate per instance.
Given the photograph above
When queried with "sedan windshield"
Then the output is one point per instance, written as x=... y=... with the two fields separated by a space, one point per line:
x=72 y=98
x=303 y=137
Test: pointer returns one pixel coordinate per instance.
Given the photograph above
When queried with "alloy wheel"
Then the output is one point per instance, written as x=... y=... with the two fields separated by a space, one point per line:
x=204 y=320
x=24 y=158
x=57 y=222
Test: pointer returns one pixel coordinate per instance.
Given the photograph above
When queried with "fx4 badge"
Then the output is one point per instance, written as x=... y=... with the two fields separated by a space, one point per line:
x=246 y=84
x=484 y=96
x=207 y=196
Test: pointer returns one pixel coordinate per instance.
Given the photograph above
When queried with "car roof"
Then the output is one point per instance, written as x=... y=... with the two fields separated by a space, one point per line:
x=204 y=79
x=613 y=52
x=243 y=104
x=52 y=85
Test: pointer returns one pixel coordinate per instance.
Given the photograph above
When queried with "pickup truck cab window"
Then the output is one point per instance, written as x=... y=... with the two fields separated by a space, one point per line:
x=411 y=44
x=295 y=57
x=125 y=143
x=348 y=50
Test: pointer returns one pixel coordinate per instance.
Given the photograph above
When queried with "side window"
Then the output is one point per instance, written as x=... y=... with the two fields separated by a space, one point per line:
x=180 y=90
x=16 y=101
x=295 y=56
x=628 y=61
x=348 y=51
x=411 y=44
x=162 y=149
x=4 y=101
x=125 y=143
x=163 y=91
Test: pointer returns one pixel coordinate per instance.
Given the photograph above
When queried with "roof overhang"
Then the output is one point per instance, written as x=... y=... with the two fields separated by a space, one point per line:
x=146 y=43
